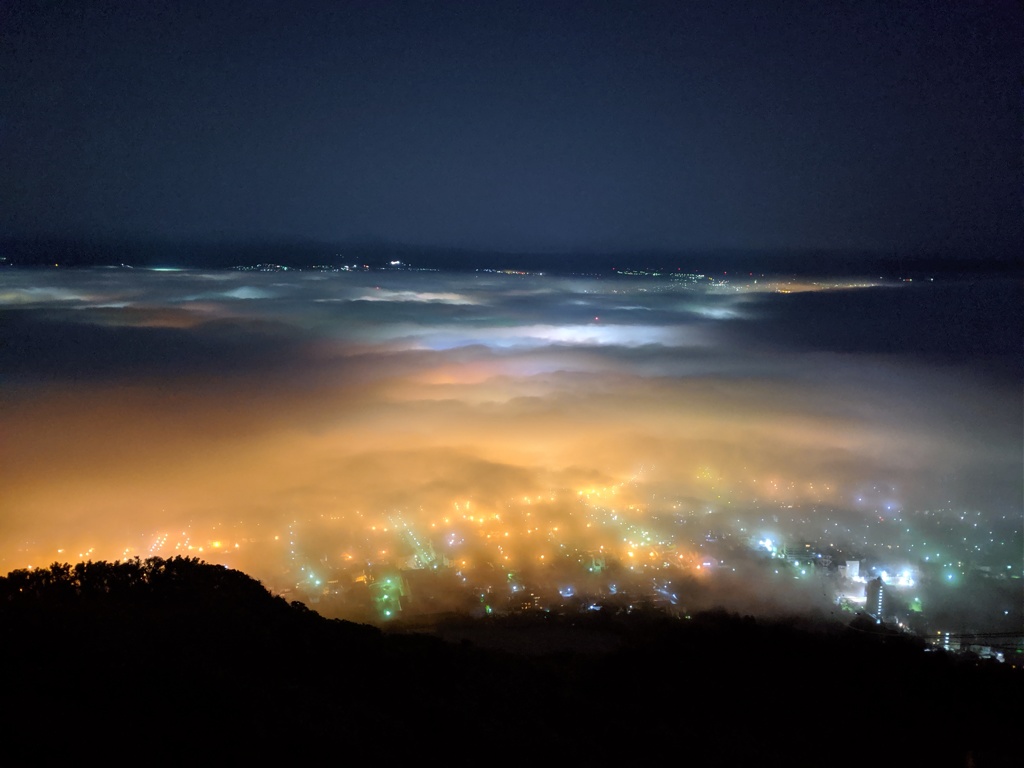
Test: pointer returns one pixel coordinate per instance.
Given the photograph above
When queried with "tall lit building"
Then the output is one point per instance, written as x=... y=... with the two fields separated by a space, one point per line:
x=875 y=593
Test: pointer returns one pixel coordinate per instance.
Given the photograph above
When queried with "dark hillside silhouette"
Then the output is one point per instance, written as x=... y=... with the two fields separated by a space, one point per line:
x=174 y=660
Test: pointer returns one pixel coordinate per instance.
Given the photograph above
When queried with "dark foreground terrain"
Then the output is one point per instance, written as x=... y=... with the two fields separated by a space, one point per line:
x=174 y=661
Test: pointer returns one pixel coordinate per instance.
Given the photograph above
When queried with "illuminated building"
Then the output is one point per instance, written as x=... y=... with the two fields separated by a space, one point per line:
x=524 y=602
x=851 y=570
x=875 y=593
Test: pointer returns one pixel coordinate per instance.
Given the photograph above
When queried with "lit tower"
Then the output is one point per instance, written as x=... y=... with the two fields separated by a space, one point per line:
x=875 y=593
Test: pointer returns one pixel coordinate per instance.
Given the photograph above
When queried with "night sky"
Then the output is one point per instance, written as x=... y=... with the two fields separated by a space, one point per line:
x=547 y=126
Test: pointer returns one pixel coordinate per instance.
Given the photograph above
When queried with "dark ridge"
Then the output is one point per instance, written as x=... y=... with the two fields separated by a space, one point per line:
x=174 y=660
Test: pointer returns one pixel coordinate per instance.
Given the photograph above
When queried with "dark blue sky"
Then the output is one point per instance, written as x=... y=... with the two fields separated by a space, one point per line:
x=518 y=126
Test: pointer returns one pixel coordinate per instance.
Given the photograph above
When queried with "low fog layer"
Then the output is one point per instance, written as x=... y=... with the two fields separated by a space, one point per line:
x=510 y=425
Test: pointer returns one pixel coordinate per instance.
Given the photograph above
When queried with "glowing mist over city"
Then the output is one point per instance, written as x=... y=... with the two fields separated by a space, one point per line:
x=394 y=445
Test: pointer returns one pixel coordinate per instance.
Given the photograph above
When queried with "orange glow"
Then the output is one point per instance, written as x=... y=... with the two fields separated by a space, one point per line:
x=459 y=437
